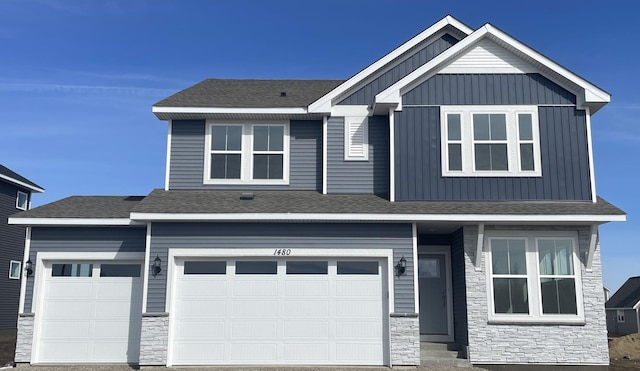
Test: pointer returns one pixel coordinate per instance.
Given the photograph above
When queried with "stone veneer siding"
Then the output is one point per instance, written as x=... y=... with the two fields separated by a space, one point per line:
x=24 y=339
x=538 y=343
x=154 y=339
x=405 y=339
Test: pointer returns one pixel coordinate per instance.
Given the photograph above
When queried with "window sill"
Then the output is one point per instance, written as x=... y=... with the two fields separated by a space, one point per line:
x=492 y=174
x=246 y=182
x=549 y=321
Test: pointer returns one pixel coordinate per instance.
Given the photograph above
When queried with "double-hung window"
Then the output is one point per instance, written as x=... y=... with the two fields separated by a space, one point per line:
x=490 y=141
x=533 y=277
x=247 y=153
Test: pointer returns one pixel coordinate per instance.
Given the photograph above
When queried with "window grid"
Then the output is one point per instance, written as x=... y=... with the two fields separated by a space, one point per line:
x=226 y=151
x=493 y=141
x=268 y=152
x=525 y=140
x=454 y=142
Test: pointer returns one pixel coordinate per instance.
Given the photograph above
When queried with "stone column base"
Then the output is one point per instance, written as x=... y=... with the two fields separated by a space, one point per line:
x=405 y=339
x=154 y=337
x=24 y=338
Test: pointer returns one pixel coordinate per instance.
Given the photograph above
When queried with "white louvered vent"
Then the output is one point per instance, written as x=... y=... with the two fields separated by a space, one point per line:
x=356 y=144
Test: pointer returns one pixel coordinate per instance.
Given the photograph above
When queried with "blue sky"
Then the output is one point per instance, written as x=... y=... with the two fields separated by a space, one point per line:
x=78 y=78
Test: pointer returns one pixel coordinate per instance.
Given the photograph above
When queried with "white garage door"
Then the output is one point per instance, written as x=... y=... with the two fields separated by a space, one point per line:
x=91 y=313
x=322 y=312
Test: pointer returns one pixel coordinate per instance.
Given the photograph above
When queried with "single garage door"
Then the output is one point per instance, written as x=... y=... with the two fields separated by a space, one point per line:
x=242 y=312
x=91 y=313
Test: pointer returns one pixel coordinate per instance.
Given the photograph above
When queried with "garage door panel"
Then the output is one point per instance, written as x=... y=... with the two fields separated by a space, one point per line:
x=306 y=329
x=68 y=288
x=202 y=308
x=68 y=309
x=194 y=287
x=254 y=308
x=307 y=288
x=111 y=351
x=199 y=353
x=248 y=352
x=69 y=351
x=307 y=352
x=256 y=329
x=358 y=353
x=120 y=289
x=60 y=329
x=358 y=330
x=358 y=309
x=116 y=329
x=358 y=288
x=118 y=308
x=306 y=309
x=199 y=329
x=251 y=288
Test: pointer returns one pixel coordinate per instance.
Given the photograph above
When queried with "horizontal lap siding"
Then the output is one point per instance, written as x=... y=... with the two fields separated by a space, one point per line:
x=187 y=157
x=292 y=236
x=11 y=248
x=368 y=177
x=91 y=239
x=366 y=94
x=563 y=143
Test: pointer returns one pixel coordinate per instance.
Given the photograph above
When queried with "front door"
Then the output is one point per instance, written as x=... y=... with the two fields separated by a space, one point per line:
x=434 y=288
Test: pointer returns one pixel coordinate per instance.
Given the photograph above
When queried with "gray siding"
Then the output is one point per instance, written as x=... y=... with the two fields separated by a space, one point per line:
x=187 y=157
x=364 y=177
x=11 y=248
x=266 y=235
x=629 y=326
x=563 y=146
x=366 y=94
x=478 y=89
x=81 y=239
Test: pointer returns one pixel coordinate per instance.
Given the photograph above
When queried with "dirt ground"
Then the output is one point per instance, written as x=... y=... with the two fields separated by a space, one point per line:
x=619 y=348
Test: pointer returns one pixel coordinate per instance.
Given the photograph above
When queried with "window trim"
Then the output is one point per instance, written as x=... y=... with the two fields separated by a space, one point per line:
x=11 y=264
x=26 y=201
x=533 y=278
x=247 y=153
x=468 y=141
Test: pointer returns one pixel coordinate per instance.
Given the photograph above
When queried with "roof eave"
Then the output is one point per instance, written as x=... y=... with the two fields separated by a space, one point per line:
x=31 y=187
x=42 y=222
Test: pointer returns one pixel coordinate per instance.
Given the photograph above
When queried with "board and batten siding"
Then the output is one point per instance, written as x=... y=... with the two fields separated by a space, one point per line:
x=361 y=177
x=165 y=236
x=366 y=94
x=186 y=169
x=81 y=239
x=11 y=248
x=563 y=143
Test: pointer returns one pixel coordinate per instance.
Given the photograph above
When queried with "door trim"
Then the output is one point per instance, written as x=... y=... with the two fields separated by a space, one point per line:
x=446 y=251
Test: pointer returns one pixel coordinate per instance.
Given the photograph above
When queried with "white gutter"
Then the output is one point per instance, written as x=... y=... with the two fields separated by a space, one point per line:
x=22 y=184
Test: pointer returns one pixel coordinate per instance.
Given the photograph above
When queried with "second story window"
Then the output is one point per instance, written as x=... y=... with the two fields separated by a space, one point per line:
x=22 y=201
x=489 y=141
x=247 y=153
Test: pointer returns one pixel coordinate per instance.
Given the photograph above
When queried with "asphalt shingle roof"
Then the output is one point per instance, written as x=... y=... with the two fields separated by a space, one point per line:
x=85 y=207
x=627 y=296
x=229 y=93
x=12 y=174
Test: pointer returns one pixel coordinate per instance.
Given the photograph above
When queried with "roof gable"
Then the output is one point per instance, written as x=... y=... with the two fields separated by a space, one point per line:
x=10 y=176
x=588 y=94
x=627 y=296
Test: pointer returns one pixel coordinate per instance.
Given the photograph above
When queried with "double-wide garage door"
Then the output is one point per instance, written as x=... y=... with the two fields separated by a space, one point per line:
x=90 y=313
x=319 y=311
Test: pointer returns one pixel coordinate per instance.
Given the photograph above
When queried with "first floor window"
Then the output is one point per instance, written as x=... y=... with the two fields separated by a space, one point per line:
x=22 y=201
x=533 y=276
x=240 y=153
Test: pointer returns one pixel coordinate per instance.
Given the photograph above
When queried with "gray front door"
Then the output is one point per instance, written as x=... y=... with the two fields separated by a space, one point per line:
x=434 y=287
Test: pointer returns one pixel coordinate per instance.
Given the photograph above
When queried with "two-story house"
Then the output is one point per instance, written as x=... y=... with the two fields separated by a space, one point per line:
x=445 y=193
x=15 y=195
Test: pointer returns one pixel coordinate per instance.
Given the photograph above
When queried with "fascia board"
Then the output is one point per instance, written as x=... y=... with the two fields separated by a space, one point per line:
x=213 y=110
x=73 y=221
x=376 y=217
x=323 y=104
x=393 y=93
x=21 y=184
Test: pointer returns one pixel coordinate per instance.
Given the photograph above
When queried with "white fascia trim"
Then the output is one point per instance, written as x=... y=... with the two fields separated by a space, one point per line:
x=416 y=292
x=375 y=217
x=325 y=126
x=23 y=273
x=167 y=171
x=22 y=184
x=94 y=255
x=324 y=103
x=73 y=221
x=393 y=93
x=392 y=156
x=145 y=268
x=592 y=174
x=205 y=110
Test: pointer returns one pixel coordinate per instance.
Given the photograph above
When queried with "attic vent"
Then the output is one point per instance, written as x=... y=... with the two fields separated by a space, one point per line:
x=283 y=93
x=247 y=196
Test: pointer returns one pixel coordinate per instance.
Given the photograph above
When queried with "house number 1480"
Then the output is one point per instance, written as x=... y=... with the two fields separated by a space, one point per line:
x=282 y=252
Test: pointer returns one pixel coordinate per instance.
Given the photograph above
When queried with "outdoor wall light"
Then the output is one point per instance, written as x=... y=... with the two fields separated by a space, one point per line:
x=156 y=266
x=401 y=267
x=28 y=267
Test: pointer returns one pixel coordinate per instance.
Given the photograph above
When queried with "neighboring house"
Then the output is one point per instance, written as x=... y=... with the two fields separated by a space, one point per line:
x=15 y=195
x=623 y=309
x=445 y=193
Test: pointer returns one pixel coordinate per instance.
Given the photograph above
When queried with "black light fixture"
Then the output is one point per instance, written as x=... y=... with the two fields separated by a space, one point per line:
x=28 y=267
x=401 y=267
x=157 y=266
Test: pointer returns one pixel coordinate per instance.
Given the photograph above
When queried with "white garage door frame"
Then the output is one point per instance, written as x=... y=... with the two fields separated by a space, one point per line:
x=386 y=254
x=41 y=274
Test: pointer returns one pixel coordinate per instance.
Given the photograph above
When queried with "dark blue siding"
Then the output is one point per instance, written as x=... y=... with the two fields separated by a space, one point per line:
x=187 y=157
x=366 y=94
x=459 y=289
x=368 y=177
x=278 y=235
x=81 y=239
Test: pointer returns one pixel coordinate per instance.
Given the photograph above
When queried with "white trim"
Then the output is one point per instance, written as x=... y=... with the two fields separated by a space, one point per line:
x=325 y=124
x=145 y=268
x=73 y=221
x=323 y=104
x=351 y=110
x=23 y=280
x=392 y=156
x=12 y=262
x=592 y=174
x=26 y=201
x=593 y=244
x=479 y=244
x=414 y=239
x=446 y=251
x=90 y=255
x=637 y=306
x=167 y=172
x=376 y=217
x=214 y=110
x=22 y=184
